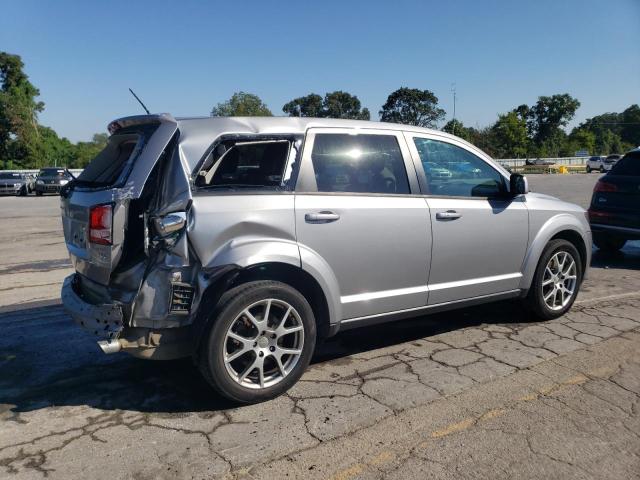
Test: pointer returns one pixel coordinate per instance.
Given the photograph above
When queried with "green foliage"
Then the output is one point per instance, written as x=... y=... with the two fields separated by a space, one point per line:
x=242 y=104
x=457 y=128
x=548 y=115
x=19 y=136
x=23 y=142
x=336 y=104
x=411 y=106
x=509 y=136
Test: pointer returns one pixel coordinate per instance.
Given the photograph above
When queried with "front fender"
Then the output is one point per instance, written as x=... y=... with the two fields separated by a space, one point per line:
x=553 y=226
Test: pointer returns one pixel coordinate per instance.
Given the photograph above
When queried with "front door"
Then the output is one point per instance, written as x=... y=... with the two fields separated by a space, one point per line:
x=479 y=234
x=359 y=210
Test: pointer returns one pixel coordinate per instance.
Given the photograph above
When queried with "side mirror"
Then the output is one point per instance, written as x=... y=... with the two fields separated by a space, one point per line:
x=171 y=223
x=518 y=184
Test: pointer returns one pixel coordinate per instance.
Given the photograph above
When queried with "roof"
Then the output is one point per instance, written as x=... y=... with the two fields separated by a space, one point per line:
x=198 y=133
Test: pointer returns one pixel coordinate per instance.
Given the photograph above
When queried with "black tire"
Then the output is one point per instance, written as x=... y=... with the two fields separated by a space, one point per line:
x=232 y=303
x=601 y=169
x=588 y=169
x=534 y=300
x=38 y=193
x=24 y=191
x=608 y=243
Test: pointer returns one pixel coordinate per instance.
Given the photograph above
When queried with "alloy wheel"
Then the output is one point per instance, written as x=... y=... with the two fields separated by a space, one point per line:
x=559 y=280
x=263 y=344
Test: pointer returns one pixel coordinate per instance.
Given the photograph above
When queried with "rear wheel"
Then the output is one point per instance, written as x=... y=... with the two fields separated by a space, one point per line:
x=602 y=169
x=556 y=281
x=588 y=169
x=608 y=243
x=260 y=343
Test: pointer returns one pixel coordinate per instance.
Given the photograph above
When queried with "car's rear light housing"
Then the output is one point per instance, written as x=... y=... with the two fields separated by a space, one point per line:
x=605 y=187
x=595 y=215
x=100 y=224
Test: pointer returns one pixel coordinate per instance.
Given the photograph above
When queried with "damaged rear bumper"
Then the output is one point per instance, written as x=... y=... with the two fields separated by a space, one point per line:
x=107 y=322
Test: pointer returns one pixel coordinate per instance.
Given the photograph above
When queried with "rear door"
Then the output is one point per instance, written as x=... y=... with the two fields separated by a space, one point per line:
x=358 y=208
x=479 y=235
x=107 y=187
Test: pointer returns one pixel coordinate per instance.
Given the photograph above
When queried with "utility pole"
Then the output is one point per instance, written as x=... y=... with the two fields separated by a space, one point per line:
x=453 y=90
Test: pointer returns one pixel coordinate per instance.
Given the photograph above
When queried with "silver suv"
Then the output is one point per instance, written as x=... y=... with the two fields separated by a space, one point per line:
x=242 y=242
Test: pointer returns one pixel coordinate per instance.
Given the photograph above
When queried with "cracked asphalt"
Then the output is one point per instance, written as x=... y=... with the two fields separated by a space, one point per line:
x=478 y=393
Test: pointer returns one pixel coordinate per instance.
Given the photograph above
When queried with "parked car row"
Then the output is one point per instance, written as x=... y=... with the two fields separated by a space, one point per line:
x=48 y=180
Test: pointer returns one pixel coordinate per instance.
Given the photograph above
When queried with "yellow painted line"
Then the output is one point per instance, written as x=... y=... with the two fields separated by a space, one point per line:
x=453 y=428
x=382 y=458
x=493 y=414
x=349 y=473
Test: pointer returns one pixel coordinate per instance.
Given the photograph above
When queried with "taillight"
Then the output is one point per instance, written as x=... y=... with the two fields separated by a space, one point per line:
x=605 y=187
x=100 y=219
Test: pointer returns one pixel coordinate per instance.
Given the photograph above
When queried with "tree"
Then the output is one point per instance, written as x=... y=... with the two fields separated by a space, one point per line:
x=580 y=139
x=307 y=106
x=336 y=104
x=630 y=125
x=509 y=136
x=341 y=104
x=412 y=106
x=548 y=115
x=241 y=104
x=457 y=128
x=87 y=151
x=19 y=110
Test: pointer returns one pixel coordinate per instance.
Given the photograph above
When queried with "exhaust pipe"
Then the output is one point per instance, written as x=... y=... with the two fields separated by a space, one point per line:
x=110 y=346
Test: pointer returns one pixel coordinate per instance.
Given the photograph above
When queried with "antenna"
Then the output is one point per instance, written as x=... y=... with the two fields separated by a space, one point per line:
x=139 y=101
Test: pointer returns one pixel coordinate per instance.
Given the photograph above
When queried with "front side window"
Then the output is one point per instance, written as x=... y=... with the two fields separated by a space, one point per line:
x=246 y=164
x=363 y=163
x=453 y=171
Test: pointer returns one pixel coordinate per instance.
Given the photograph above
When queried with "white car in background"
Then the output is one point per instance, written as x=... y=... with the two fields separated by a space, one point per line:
x=602 y=163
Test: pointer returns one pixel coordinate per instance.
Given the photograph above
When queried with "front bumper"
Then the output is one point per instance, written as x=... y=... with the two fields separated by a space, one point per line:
x=49 y=188
x=103 y=320
x=10 y=190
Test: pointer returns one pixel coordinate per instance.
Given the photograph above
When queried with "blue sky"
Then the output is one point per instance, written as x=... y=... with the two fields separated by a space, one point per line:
x=184 y=57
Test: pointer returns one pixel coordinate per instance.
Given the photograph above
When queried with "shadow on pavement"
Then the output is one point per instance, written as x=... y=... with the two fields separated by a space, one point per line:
x=46 y=360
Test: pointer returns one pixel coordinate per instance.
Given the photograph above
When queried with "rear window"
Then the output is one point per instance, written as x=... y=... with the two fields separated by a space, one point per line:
x=629 y=165
x=113 y=164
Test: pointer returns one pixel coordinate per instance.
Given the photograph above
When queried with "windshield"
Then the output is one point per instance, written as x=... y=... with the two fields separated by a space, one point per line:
x=10 y=176
x=629 y=165
x=52 y=172
x=113 y=163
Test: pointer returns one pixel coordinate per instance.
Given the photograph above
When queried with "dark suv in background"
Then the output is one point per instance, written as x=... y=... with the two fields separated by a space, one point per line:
x=51 y=180
x=614 y=213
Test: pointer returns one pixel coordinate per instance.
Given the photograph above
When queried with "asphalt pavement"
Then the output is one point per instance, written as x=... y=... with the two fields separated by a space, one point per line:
x=477 y=393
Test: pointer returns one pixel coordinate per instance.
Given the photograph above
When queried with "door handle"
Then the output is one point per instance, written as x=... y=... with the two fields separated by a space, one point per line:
x=321 y=217
x=448 y=215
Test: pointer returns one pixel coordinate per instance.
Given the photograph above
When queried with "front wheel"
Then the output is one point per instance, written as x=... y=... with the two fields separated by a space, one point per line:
x=588 y=169
x=38 y=193
x=556 y=281
x=262 y=337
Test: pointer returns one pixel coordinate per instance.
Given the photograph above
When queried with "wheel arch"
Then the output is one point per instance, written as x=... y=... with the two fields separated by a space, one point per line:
x=563 y=226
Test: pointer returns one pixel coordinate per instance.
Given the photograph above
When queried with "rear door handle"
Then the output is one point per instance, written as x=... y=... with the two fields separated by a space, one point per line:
x=321 y=217
x=448 y=215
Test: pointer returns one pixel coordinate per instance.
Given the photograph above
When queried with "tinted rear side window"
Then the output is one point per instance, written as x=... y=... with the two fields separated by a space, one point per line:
x=629 y=165
x=112 y=165
x=359 y=163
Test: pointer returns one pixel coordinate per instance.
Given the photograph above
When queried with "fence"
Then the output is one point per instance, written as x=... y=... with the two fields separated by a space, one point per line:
x=566 y=161
x=74 y=171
